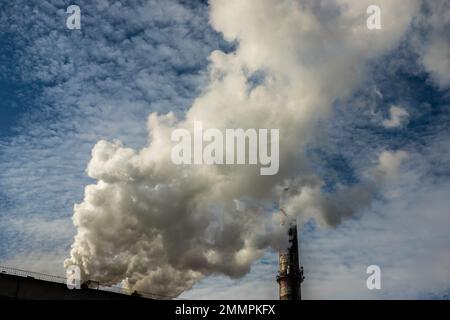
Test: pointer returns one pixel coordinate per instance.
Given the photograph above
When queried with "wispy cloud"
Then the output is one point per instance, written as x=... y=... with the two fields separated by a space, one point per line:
x=397 y=117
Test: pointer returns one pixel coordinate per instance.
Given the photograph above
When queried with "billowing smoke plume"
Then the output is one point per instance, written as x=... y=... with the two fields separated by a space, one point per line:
x=161 y=226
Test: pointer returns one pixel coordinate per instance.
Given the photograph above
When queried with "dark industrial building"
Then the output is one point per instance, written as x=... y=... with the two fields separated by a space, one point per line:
x=19 y=284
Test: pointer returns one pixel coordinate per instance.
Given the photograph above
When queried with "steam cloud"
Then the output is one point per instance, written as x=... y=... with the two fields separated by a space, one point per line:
x=162 y=227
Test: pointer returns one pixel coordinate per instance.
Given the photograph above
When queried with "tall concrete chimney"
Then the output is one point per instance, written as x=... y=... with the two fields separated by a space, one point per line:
x=290 y=274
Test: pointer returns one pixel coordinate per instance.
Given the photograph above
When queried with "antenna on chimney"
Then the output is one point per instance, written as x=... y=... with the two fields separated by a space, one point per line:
x=290 y=274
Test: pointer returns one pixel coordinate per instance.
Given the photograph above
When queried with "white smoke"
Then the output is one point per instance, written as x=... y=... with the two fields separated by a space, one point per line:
x=162 y=227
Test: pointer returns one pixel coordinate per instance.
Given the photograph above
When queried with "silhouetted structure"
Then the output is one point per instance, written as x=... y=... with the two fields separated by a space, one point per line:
x=20 y=284
x=290 y=275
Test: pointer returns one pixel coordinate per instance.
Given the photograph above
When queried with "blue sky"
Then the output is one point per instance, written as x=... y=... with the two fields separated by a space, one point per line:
x=61 y=91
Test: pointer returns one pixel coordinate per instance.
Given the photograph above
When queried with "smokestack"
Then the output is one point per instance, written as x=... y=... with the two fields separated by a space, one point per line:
x=290 y=274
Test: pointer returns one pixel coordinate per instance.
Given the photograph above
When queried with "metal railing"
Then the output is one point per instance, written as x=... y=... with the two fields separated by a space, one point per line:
x=31 y=274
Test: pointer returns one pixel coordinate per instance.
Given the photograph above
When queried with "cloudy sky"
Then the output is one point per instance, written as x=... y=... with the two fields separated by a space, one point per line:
x=368 y=113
